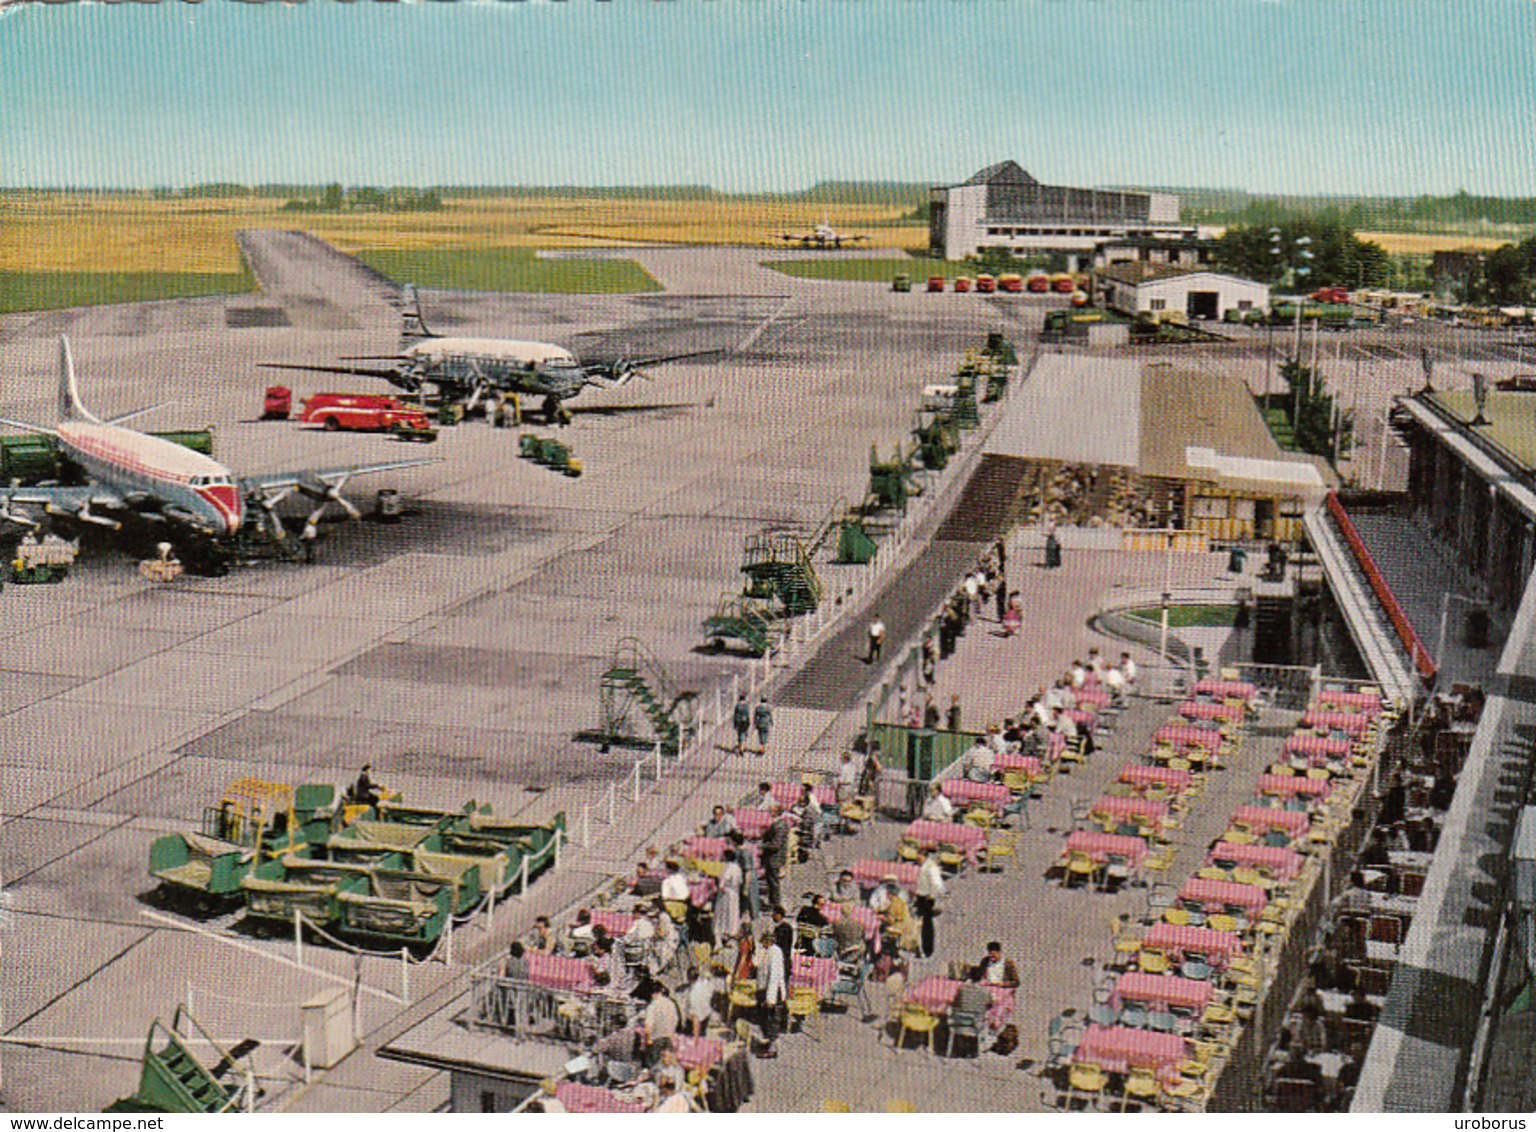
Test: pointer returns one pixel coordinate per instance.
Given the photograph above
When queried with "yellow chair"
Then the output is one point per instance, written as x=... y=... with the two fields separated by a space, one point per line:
x=677 y=909
x=1087 y=1078
x=1244 y=874
x=1185 y=1093
x=1000 y=847
x=899 y=1105
x=1221 y=922
x=1176 y=915
x=831 y=1105
x=1159 y=860
x=950 y=856
x=1081 y=865
x=1211 y=872
x=1153 y=961
x=978 y=816
x=1238 y=836
x=1180 y=763
x=908 y=850
x=805 y=1004
x=743 y=996
x=1126 y=949
x=917 y=1020
x=1141 y=1085
x=1017 y=781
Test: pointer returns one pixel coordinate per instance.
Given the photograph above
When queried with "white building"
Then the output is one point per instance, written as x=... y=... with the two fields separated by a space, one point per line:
x=1002 y=206
x=1177 y=292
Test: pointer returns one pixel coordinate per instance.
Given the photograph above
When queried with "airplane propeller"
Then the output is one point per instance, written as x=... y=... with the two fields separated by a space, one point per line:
x=324 y=497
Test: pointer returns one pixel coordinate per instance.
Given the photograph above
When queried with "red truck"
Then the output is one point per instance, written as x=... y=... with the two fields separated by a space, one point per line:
x=367 y=412
x=1331 y=295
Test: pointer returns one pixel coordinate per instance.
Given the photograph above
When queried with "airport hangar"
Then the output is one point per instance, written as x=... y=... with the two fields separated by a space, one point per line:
x=1165 y=290
x=1002 y=206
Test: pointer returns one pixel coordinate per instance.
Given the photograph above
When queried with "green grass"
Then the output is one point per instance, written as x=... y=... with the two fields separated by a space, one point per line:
x=52 y=290
x=1188 y=616
x=508 y=269
x=1279 y=422
x=871 y=270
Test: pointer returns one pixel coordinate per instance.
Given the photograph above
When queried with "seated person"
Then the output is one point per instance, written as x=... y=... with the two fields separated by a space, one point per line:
x=764 y=799
x=720 y=824
x=846 y=889
x=674 y=885
x=811 y=918
x=972 y=998
x=980 y=761
x=993 y=968
x=540 y=937
x=938 y=807
x=647 y=880
x=702 y=994
x=515 y=965
x=579 y=936
x=899 y=922
x=848 y=934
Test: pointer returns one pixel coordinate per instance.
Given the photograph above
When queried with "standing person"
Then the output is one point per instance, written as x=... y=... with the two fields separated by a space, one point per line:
x=774 y=971
x=930 y=886
x=750 y=889
x=1001 y=553
x=930 y=714
x=1013 y=617
x=869 y=777
x=727 y=917
x=1000 y=597
x=762 y=719
x=741 y=719
x=971 y=587
x=952 y=717
x=774 y=853
x=876 y=639
x=930 y=659
x=847 y=778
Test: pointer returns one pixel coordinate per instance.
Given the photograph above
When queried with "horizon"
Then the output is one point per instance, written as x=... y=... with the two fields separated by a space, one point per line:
x=1382 y=99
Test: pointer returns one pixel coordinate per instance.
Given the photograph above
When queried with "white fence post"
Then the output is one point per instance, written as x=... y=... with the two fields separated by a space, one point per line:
x=523 y=890
x=586 y=826
x=448 y=943
x=634 y=790
x=658 y=761
x=613 y=798
x=559 y=839
x=405 y=974
x=298 y=938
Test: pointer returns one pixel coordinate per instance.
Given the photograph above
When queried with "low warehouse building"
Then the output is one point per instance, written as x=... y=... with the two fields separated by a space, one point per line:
x=1170 y=293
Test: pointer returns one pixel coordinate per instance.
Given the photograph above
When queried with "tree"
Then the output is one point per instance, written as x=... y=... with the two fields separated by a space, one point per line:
x=1313 y=410
x=1268 y=252
x=333 y=199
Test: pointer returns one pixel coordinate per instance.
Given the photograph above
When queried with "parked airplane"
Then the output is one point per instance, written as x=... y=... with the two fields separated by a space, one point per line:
x=472 y=371
x=132 y=477
x=821 y=236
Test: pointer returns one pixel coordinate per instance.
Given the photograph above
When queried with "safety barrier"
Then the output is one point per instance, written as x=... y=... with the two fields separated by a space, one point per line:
x=1422 y=661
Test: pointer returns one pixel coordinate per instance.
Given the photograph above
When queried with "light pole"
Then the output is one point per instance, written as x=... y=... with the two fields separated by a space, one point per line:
x=1445 y=614
x=1162 y=641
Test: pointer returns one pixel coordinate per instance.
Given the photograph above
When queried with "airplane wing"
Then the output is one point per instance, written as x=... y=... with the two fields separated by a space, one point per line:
x=620 y=370
x=76 y=502
x=319 y=479
x=391 y=375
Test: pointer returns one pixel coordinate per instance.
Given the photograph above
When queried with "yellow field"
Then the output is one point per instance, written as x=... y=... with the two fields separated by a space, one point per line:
x=1415 y=243
x=59 y=232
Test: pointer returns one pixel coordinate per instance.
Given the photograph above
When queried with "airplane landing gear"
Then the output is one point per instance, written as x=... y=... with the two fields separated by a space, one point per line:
x=555 y=413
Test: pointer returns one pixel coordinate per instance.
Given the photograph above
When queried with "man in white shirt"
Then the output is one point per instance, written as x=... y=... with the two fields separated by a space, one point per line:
x=774 y=972
x=675 y=885
x=847 y=778
x=1114 y=684
x=938 y=808
x=979 y=761
x=930 y=886
x=1079 y=674
x=876 y=638
x=1128 y=668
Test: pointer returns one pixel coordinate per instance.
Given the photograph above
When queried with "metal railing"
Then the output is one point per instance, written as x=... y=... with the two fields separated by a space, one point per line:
x=526 y=1010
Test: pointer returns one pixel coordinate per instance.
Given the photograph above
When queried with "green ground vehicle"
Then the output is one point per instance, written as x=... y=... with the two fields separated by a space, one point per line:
x=422 y=847
x=748 y=620
x=902 y=282
x=549 y=453
x=277 y=889
x=396 y=907
x=254 y=820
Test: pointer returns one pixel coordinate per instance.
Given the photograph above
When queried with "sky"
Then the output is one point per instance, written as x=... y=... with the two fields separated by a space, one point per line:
x=1367 y=97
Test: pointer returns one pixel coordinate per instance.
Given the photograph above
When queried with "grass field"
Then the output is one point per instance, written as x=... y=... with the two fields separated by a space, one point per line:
x=53 y=290
x=870 y=270
x=1188 y=616
x=507 y=269
x=1417 y=243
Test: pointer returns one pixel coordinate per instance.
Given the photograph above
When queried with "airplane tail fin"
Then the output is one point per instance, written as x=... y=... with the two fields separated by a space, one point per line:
x=414 y=328
x=70 y=408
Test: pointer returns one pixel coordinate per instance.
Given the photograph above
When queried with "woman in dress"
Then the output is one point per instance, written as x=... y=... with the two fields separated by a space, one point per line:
x=728 y=900
x=746 y=955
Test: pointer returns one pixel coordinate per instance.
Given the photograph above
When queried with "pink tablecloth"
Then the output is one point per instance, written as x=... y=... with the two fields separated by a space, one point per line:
x=935 y=993
x=1143 y=776
x=1161 y=991
x=1100 y=846
x=1260 y=819
x=1010 y=761
x=1368 y=702
x=559 y=972
x=1194 y=709
x=589 y=1098
x=1095 y=697
x=705 y=848
x=1283 y=863
x=1144 y=810
x=1119 y=1048
x=1084 y=719
x=1235 y=689
x=702 y=891
x=964 y=790
x=1218 y=895
x=1318 y=748
x=614 y=923
x=1178 y=938
x=697 y=1053
x=1181 y=733
x=967 y=838
x=864 y=914
x=1290 y=785
x=787 y=794
x=813 y=971
x=1349 y=722
x=752 y=822
x=871 y=872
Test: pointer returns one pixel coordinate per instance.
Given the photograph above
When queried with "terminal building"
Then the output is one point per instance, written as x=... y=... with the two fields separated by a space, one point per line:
x=1002 y=206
